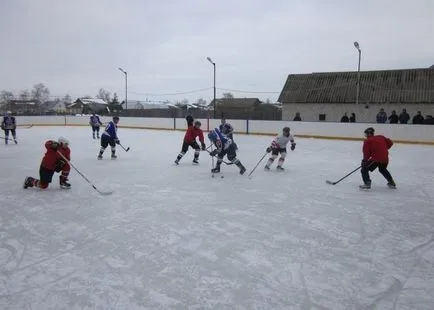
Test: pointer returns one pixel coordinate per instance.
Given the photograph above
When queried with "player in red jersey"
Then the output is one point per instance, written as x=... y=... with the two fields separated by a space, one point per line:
x=193 y=131
x=376 y=155
x=52 y=162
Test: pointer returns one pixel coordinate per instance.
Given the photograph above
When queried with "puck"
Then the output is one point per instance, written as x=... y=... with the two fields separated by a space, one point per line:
x=222 y=177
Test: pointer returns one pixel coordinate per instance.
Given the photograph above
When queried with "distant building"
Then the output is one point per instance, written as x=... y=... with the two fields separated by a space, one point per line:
x=244 y=108
x=88 y=106
x=21 y=107
x=327 y=96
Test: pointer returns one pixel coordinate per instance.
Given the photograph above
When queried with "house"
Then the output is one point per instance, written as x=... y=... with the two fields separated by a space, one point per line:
x=244 y=108
x=328 y=95
x=21 y=107
x=88 y=106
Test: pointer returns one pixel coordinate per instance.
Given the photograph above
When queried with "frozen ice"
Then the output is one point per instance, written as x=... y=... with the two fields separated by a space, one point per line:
x=172 y=237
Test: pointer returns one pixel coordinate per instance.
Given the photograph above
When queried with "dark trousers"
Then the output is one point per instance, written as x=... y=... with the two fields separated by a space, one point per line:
x=371 y=166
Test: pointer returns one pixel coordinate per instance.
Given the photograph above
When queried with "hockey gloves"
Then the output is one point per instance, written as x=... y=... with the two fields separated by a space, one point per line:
x=268 y=149
x=117 y=141
x=213 y=153
x=292 y=146
x=203 y=146
x=60 y=163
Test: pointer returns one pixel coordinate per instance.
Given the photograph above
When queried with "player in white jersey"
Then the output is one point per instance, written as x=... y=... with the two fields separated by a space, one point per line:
x=279 y=146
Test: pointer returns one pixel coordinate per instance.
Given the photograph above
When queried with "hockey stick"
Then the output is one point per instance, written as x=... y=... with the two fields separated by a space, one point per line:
x=212 y=161
x=262 y=158
x=125 y=149
x=83 y=176
x=226 y=162
x=334 y=183
x=9 y=139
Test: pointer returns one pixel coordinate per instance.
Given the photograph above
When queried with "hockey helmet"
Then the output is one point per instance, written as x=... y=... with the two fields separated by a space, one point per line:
x=369 y=131
x=116 y=119
x=197 y=124
x=286 y=130
x=212 y=135
x=63 y=141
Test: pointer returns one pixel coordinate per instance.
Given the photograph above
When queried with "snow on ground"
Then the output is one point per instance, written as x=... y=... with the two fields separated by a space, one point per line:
x=172 y=237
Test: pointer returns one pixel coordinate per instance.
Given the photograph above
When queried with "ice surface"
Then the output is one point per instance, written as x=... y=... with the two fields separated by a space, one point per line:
x=172 y=237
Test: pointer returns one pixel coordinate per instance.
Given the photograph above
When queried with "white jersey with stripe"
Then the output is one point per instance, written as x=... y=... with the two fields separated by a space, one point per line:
x=282 y=141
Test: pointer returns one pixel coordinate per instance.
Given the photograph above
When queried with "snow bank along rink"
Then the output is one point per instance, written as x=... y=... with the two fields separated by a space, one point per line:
x=172 y=237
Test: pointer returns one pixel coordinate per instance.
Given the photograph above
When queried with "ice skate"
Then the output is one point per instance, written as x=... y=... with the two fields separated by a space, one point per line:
x=28 y=182
x=242 y=169
x=63 y=183
x=176 y=162
x=195 y=161
x=391 y=185
x=113 y=157
x=99 y=157
x=267 y=168
x=215 y=170
x=365 y=186
x=15 y=140
x=280 y=168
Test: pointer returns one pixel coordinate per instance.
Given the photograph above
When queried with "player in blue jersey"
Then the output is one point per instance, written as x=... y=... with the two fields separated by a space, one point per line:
x=224 y=146
x=228 y=131
x=95 y=123
x=110 y=137
x=9 y=124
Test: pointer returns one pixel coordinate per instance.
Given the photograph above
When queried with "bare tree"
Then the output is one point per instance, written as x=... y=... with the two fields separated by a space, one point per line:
x=228 y=95
x=40 y=93
x=6 y=96
x=104 y=95
x=201 y=102
x=24 y=95
x=67 y=99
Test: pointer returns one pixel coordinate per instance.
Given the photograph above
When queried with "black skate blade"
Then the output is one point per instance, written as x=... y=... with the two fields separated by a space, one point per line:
x=330 y=182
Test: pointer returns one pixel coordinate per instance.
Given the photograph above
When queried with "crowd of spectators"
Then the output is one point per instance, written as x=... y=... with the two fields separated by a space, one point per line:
x=404 y=118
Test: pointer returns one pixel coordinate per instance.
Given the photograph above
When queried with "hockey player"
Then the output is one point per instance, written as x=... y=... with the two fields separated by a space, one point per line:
x=95 y=123
x=279 y=146
x=228 y=131
x=375 y=154
x=224 y=146
x=193 y=131
x=110 y=137
x=9 y=125
x=52 y=162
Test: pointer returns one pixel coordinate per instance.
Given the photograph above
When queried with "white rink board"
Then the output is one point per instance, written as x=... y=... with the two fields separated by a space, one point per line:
x=398 y=132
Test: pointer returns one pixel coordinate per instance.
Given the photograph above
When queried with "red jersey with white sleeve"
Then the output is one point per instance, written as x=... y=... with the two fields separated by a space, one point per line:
x=51 y=157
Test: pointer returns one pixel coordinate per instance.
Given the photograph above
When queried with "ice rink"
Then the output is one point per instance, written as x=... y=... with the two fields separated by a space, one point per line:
x=172 y=237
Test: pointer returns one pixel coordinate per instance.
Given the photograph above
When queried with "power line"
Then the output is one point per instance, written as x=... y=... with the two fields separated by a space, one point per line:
x=250 y=92
x=173 y=94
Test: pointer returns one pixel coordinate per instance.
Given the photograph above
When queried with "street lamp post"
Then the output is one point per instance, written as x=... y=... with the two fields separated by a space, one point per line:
x=356 y=45
x=213 y=63
x=126 y=87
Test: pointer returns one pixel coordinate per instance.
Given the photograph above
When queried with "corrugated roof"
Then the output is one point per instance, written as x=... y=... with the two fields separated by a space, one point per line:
x=387 y=86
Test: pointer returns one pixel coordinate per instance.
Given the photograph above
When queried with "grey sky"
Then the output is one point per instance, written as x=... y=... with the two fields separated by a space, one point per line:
x=76 y=46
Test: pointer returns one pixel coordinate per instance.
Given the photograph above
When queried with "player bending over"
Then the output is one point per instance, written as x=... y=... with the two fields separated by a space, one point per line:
x=52 y=162
x=95 y=123
x=279 y=146
x=9 y=124
x=110 y=137
x=224 y=146
x=376 y=154
x=193 y=131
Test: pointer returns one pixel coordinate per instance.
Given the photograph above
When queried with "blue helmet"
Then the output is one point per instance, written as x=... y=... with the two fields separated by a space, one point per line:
x=212 y=135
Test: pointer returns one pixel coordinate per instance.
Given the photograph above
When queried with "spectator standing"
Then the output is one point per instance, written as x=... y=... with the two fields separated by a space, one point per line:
x=404 y=117
x=381 y=117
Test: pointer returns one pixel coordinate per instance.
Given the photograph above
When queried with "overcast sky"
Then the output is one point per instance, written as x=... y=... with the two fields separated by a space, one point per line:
x=77 y=46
